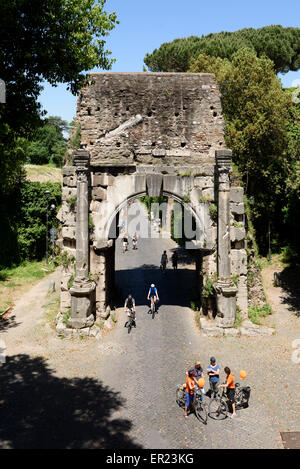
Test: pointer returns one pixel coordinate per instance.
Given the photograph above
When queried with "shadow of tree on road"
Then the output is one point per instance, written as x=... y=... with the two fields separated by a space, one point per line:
x=174 y=287
x=8 y=322
x=289 y=281
x=41 y=410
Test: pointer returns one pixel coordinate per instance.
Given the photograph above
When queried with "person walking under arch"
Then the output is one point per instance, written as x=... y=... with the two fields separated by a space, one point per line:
x=164 y=261
x=174 y=259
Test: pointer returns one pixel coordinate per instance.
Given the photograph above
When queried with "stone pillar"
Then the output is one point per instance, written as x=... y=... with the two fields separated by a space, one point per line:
x=102 y=267
x=225 y=289
x=167 y=223
x=82 y=291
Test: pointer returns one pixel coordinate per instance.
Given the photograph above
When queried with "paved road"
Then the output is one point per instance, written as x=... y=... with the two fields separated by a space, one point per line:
x=146 y=365
x=120 y=392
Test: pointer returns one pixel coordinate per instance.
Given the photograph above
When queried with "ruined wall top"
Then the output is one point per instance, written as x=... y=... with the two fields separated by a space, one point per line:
x=151 y=118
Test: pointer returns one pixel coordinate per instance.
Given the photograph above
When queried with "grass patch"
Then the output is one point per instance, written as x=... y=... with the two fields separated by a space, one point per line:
x=238 y=317
x=195 y=305
x=197 y=319
x=52 y=308
x=113 y=317
x=43 y=173
x=16 y=280
x=67 y=317
x=255 y=313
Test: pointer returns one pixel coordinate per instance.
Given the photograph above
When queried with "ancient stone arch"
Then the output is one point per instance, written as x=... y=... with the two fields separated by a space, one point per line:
x=151 y=133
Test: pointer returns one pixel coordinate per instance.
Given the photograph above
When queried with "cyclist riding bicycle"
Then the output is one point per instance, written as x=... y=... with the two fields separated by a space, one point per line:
x=134 y=241
x=129 y=307
x=153 y=294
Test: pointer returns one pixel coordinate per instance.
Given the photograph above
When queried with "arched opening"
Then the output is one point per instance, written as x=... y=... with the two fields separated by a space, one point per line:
x=168 y=224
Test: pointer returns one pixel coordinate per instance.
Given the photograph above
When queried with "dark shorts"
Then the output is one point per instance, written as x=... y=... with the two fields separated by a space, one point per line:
x=230 y=395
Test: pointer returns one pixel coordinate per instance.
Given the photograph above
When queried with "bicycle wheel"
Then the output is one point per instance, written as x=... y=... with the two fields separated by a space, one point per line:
x=238 y=398
x=129 y=326
x=201 y=411
x=180 y=397
x=218 y=409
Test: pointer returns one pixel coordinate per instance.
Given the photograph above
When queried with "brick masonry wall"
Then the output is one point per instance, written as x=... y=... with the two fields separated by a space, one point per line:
x=169 y=118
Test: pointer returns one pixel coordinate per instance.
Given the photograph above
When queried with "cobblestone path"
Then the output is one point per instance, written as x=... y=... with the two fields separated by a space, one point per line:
x=147 y=364
x=120 y=392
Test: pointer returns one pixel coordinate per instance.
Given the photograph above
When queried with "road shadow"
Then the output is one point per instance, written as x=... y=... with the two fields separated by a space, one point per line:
x=174 y=287
x=41 y=410
x=8 y=322
x=289 y=282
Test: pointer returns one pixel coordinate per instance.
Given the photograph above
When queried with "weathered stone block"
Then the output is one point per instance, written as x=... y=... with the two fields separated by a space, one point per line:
x=140 y=183
x=95 y=206
x=237 y=195
x=65 y=301
x=159 y=152
x=70 y=181
x=61 y=329
x=237 y=234
x=68 y=192
x=239 y=209
x=231 y=332
x=99 y=193
x=242 y=296
x=69 y=171
x=208 y=194
x=154 y=184
x=68 y=232
x=170 y=183
x=212 y=331
x=102 y=180
x=238 y=259
x=251 y=330
x=204 y=182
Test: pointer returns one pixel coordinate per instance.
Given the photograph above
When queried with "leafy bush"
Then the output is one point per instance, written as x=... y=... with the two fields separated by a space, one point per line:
x=213 y=211
x=208 y=289
x=64 y=259
x=72 y=201
x=238 y=317
x=255 y=313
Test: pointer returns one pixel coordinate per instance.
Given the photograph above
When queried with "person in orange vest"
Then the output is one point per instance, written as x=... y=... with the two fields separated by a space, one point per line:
x=190 y=386
x=230 y=391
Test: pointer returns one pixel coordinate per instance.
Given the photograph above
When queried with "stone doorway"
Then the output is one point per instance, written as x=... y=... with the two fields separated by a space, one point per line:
x=155 y=134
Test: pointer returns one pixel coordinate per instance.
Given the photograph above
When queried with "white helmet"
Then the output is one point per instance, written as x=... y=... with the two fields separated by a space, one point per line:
x=152 y=285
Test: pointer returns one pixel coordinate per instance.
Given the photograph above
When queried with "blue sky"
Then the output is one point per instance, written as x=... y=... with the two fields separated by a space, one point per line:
x=146 y=24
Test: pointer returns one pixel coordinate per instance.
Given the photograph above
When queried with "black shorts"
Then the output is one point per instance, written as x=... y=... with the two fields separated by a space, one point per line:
x=231 y=394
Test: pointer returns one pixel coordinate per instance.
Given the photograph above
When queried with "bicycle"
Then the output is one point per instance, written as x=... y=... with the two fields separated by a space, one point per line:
x=131 y=321
x=241 y=397
x=153 y=307
x=198 y=406
x=218 y=408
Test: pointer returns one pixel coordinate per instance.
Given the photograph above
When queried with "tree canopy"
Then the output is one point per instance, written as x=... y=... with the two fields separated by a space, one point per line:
x=281 y=45
x=48 y=144
x=262 y=129
x=40 y=40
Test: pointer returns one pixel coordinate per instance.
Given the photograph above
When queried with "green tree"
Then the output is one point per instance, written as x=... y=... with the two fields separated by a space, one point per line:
x=49 y=144
x=41 y=40
x=281 y=45
x=256 y=112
